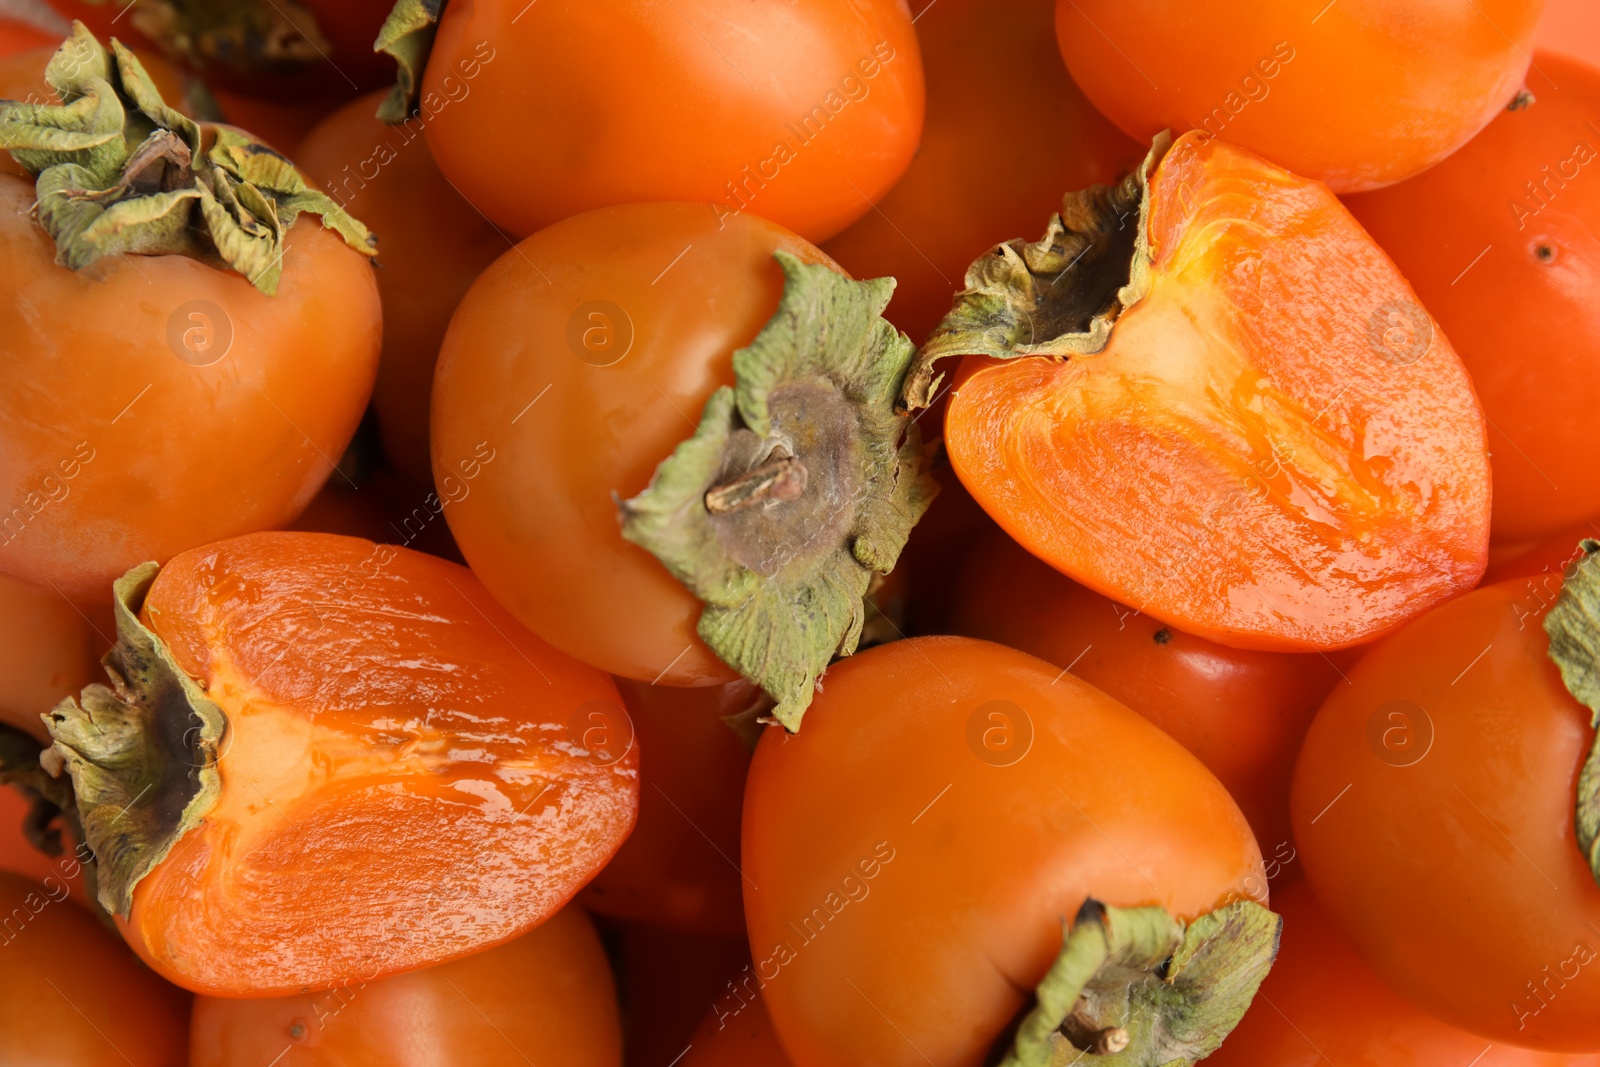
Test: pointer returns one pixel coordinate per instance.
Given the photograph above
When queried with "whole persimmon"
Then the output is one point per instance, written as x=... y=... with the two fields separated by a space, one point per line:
x=953 y=201
x=434 y=244
x=545 y=997
x=914 y=852
x=351 y=762
x=71 y=995
x=1208 y=394
x=1502 y=243
x=804 y=114
x=1445 y=806
x=179 y=367
x=698 y=462
x=1353 y=93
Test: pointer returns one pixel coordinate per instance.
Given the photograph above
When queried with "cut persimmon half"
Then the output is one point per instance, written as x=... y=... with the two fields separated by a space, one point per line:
x=1207 y=393
x=324 y=761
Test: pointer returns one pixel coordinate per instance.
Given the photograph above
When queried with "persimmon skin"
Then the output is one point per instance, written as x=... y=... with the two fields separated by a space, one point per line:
x=946 y=910
x=539 y=524
x=1321 y=1004
x=703 y=101
x=72 y=996
x=373 y=694
x=1457 y=872
x=679 y=868
x=953 y=202
x=1205 y=467
x=17 y=36
x=49 y=650
x=736 y=1037
x=545 y=997
x=1471 y=234
x=1358 y=96
x=114 y=451
x=1242 y=713
x=53 y=876
x=1571 y=27
x=432 y=244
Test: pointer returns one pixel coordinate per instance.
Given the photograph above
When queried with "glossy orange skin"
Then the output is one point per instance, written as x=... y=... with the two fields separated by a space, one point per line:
x=373 y=694
x=736 y=1036
x=548 y=546
x=1321 y=1004
x=953 y=201
x=545 y=997
x=1358 y=95
x=49 y=650
x=18 y=36
x=71 y=996
x=679 y=869
x=432 y=244
x=701 y=100
x=1572 y=27
x=1258 y=477
x=1242 y=712
x=1453 y=865
x=1470 y=236
x=115 y=451
x=944 y=911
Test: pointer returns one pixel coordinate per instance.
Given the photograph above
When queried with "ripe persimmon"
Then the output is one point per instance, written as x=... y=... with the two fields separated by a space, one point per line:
x=739 y=1035
x=544 y=997
x=953 y=201
x=180 y=368
x=1512 y=220
x=581 y=361
x=1242 y=712
x=800 y=113
x=1357 y=94
x=72 y=996
x=1214 y=398
x=1322 y=1005
x=1571 y=27
x=1445 y=806
x=17 y=36
x=912 y=854
x=356 y=764
x=433 y=245
x=43 y=852
x=49 y=649
x=679 y=869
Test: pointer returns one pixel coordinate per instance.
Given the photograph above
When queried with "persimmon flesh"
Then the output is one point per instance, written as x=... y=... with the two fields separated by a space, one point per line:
x=1276 y=448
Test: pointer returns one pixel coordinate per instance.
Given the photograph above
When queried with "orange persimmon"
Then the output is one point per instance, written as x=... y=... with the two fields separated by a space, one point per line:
x=18 y=36
x=1215 y=399
x=49 y=649
x=544 y=997
x=360 y=765
x=736 y=1035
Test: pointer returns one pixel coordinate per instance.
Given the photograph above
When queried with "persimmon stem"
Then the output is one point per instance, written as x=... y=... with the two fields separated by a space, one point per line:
x=780 y=479
x=1096 y=1041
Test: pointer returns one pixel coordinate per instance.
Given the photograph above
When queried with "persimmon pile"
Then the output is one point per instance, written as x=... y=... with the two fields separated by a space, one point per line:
x=894 y=532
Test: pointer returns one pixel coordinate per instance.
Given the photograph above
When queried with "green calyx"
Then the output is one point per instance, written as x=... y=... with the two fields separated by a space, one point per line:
x=1573 y=626
x=243 y=35
x=1137 y=988
x=141 y=752
x=800 y=483
x=1057 y=296
x=119 y=172
x=407 y=35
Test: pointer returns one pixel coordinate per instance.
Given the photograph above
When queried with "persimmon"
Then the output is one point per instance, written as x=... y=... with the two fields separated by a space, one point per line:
x=953 y=202
x=680 y=868
x=1444 y=806
x=17 y=36
x=1212 y=397
x=281 y=125
x=23 y=832
x=1512 y=221
x=913 y=851
x=357 y=764
x=1548 y=563
x=584 y=356
x=735 y=1037
x=1321 y=1004
x=1357 y=94
x=72 y=996
x=434 y=245
x=665 y=981
x=1572 y=27
x=1242 y=712
x=544 y=997
x=49 y=650
x=169 y=393
x=802 y=114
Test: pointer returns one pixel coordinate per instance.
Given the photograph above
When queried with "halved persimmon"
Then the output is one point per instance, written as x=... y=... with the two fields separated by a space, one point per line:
x=327 y=760
x=1220 y=403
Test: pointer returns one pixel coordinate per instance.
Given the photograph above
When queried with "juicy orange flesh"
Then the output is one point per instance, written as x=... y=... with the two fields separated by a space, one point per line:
x=1261 y=454
x=401 y=780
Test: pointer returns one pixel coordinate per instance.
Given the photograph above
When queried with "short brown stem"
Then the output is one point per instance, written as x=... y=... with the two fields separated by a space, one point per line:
x=781 y=479
x=1094 y=1040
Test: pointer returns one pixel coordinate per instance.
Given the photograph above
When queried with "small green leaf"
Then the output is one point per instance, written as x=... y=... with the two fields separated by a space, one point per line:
x=407 y=35
x=1573 y=627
